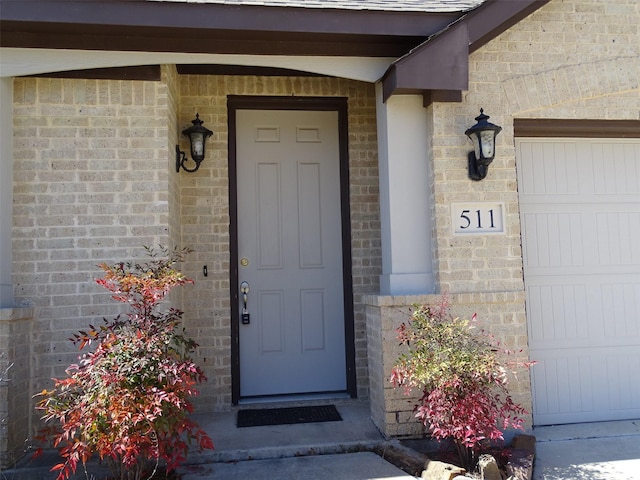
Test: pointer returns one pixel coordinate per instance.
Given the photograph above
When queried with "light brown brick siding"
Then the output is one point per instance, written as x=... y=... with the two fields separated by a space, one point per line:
x=90 y=185
x=205 y=213
x=95 y=180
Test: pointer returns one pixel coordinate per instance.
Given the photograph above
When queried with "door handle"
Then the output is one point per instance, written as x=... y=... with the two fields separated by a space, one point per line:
x=244 y=289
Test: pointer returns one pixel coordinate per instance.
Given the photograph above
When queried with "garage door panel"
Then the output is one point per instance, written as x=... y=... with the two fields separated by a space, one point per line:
x=617 y=166
x=580 y=221
x=542 y=174
x=558 y=313
x=578 y=167
x=554 y=238
x=562 y=388
x=573 y=387
x=582 y=312
x=623 y=370
x=618 y=237
x=570 y=237
x=621 y=306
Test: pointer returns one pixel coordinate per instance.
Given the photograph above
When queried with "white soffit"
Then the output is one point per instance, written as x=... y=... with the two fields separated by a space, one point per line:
x=15 y=62
x=437 y=6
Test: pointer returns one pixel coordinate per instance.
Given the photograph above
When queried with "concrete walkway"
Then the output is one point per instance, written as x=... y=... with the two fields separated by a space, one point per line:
x=588 y=451
x=342 y=451
x=350 y=466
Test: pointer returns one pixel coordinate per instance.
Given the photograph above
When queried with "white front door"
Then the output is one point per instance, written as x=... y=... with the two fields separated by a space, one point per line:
x=580 y=213
x=290 y=253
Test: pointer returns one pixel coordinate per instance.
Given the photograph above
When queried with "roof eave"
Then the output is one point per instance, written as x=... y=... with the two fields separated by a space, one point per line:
x=439 y=67
x=214 y=28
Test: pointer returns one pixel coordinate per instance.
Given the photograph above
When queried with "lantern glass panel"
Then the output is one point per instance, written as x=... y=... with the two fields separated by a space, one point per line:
x=486 y=144
x=197 y=145
x=476 y=144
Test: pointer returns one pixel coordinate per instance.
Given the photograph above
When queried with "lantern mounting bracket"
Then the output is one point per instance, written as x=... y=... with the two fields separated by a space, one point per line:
x=181 y=159
x=477 y=171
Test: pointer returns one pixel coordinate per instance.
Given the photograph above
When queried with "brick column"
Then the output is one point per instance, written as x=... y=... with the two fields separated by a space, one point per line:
x=499 y=313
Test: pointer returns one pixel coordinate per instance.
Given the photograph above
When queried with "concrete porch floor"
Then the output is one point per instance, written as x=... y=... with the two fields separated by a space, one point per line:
x=310 y=451
x=356 y=432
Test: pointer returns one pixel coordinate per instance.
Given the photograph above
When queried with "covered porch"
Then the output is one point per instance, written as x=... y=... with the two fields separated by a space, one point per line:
x=397 y=81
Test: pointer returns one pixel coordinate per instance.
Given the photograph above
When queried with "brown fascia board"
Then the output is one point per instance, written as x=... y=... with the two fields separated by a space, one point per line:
x=209 y=41
x=582 y=128
x=441 y=64
x=213 y=28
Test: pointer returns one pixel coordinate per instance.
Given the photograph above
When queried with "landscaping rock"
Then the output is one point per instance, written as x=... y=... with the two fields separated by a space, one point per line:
x=434 y=470
x=524 y=442
x=409 y=460
x=489 y=467
x=520 y=465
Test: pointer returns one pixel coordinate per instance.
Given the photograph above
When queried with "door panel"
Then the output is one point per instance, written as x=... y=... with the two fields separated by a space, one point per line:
x=290 y=252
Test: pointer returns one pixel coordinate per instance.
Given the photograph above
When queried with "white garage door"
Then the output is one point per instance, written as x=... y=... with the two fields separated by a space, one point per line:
x=580 y=214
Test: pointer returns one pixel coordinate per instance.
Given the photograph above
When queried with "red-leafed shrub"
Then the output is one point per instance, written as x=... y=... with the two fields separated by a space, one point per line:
x=128 y=400
x=463 y=376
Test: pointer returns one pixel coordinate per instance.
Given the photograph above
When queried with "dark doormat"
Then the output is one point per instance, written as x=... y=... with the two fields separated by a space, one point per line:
x=287 y=416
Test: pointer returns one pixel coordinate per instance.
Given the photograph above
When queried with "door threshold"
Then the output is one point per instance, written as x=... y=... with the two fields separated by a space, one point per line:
x=304 y=397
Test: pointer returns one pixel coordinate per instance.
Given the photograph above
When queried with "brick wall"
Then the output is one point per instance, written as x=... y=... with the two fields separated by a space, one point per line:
x=205 y=213
x=501 y=314
x=90 y=185
x=15 y=384
x=94 y=180
x=570 y=59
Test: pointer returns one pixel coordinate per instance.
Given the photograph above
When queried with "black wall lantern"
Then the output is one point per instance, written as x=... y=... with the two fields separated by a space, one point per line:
x=197 y=135
x=483 y=136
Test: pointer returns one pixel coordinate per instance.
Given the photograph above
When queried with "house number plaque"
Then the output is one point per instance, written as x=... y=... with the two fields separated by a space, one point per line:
x=477 y=218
